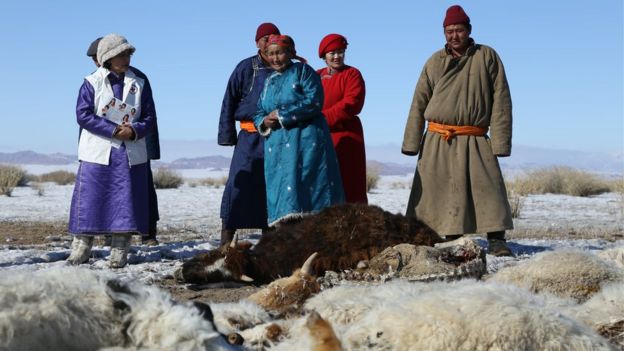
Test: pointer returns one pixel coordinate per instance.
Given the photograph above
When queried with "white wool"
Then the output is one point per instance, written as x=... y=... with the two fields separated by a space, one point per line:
x=446 y=316
x=606 y=306
x=347 y=303
x=459 y=317
x=70 y=308
x=238 y=316
x=566 y=273
x=614 y=256
x=256 y=337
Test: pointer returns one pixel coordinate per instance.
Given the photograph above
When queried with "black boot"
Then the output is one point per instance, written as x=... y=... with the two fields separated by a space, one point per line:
x=227 y=235
x=497 y=244
x=150 y=239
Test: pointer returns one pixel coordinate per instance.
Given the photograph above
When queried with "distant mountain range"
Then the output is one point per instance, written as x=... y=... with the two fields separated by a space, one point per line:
x=210 y=162
x=386 y=159
x=34 y=158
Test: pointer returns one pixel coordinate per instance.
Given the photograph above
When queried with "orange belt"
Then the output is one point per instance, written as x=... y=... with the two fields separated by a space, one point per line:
x=248 y=126
x=448 y=132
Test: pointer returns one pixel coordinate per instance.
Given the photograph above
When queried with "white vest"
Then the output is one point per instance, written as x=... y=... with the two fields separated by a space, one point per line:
x=96 y=149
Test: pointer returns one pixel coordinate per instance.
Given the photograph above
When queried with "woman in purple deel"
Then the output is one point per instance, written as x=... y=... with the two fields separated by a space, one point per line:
x=111 y=191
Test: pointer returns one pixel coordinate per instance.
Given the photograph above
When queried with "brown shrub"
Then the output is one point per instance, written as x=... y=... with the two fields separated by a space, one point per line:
x=559 y=180
x=617 y=185
x=38 y=187
x=58 y=177
x=516 y=202
x=210 y=182
x=165 y=178
x=10 y=177
x=372 y=178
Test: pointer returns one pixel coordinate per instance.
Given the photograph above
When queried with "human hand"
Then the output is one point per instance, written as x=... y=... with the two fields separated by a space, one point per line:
x=271 y=120
x=124 y=132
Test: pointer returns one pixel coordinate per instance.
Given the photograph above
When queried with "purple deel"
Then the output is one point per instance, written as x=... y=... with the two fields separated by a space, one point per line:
x=111 y=198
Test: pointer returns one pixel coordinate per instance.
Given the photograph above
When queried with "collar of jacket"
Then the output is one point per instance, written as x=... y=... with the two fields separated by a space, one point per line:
x=472 y=47
x=259 y=63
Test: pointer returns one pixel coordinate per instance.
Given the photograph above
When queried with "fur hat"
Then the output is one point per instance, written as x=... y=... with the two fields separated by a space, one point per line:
x=332 y=42
x=266 y=29
x=92 y=50
x=112 y=45
x=455 y=15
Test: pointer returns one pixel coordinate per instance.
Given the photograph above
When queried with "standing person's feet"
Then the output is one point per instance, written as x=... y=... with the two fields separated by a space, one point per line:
x=497 y=245
x=81 y=249
x=499 y=248
x=150 y=240
x=120 y=245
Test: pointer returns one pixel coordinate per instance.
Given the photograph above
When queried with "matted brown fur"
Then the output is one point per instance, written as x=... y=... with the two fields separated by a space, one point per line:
x=285 y=294
x=273 y=332
x=322 y=333
x=613 y=331
x=343 y=235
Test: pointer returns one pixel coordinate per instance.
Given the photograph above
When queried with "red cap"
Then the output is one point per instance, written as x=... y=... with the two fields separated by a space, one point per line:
x=332 y=42
x=266 y=29
x=455 y=15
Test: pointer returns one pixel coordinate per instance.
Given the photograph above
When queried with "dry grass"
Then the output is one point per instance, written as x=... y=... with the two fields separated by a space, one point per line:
x=10 y=177
x=209 y=182
x=372 y=178
x=165 y=178
x=58 y=177
x=38 y=187
x=516 y=203
x=617 y=185
x=405 y=184
x=611 y=234
x=559 y=180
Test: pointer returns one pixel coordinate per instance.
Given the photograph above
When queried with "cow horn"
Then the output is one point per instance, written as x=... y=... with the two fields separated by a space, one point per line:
x=234 y=240
x=246 y=278
x=307 y=265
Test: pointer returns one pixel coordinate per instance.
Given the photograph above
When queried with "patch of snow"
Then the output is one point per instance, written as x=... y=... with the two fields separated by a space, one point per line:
x=197 y=208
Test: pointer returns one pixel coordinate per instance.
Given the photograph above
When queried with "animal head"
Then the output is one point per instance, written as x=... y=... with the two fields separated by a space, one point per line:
x=286 y=294
x=139 y=306
x=227 y=263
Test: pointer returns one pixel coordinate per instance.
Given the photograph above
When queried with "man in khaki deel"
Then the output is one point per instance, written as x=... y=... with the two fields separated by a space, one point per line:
x=463 y=94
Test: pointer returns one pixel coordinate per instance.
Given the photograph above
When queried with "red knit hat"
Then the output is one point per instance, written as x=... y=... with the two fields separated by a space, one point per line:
x=332 y=42
x=455 y=15
x=266 y=29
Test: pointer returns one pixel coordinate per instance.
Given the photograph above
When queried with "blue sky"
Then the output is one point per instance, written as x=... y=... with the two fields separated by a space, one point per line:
x=564 y=61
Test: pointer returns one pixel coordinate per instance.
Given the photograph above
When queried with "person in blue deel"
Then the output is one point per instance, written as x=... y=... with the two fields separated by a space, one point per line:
x=300 y=165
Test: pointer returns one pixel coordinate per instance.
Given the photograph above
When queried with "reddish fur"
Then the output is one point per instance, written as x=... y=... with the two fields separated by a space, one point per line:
x=321 y=331
x=273 y=332
x=342 y=235
x=285 y=294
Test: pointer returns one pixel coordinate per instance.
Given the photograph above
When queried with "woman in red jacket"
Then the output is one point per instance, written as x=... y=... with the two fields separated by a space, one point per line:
x=344 y=90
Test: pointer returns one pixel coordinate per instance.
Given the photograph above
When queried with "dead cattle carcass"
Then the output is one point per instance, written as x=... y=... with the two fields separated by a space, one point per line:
x=342 y=235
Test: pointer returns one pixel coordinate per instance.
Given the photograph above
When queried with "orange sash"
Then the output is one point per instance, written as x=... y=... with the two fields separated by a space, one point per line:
x=248 y=126
x=448 y=132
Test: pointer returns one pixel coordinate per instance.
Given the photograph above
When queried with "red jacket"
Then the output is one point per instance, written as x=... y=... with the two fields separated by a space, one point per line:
x=344 y=98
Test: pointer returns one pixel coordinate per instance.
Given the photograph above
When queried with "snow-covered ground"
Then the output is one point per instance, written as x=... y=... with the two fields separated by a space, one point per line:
x=197 y=209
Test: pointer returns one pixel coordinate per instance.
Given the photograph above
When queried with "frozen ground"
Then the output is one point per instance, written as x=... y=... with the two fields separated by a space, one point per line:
x=547 y=222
